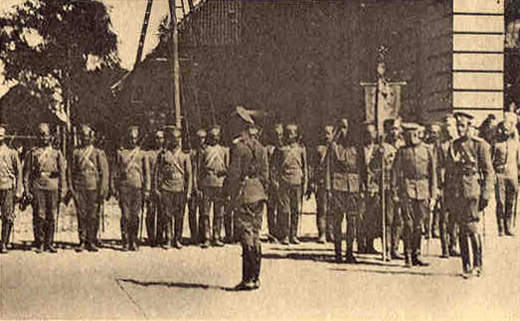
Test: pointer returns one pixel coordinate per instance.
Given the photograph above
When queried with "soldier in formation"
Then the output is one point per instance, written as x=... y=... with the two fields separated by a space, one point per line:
x=154 y=229
x=505 y=156
x=89 y=180
x=45 y=185
x=11 y=188
x=195 y=203
x=172 y=186
x=273 y=201
x=132 y=184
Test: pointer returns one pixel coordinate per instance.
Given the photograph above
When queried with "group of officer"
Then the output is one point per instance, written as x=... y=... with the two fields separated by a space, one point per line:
x=444 y=178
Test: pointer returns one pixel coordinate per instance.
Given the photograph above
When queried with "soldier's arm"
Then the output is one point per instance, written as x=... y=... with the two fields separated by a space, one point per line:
x=264 y=169
x=62 y=168
x=363 y=170
x=394 y=178
x=274 y=167
x=19 y=176
x=235 y=172
x=433 y=173
x=486 y=169
x=27 y=168
x=103 y=172
x=305 y=170
x=147 y=177
x=114 y=173
x=155 y=174
x=189 y=178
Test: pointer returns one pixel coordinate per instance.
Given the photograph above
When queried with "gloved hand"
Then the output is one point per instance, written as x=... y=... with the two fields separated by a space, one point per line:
x=482 y=204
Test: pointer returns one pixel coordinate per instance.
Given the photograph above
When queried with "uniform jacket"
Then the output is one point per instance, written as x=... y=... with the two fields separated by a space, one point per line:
x=214 y=166
x=348 y=172
x=89 y=169
x=320 y=167
x=248 y=172
x=10 y=169
x=470 y=170
x=45 y=169
x=173 y=172
x=415 y=173
x=132 y=169
x=505 y=156
x=290 y=166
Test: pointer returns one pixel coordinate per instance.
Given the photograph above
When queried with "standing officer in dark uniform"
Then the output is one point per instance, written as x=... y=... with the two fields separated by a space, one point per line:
x=195 y=203
x=321 y=186
x=132 y=185
x=212 y=173
x=414 y=183
x=45 y=185
x=471 y=170
x=172 y=182
x=154 y=230
x=347 y=176
x=246 y=184
x=290 y=177
x=272 y=203
x=11 y=186
x=89 y=187
x=505 y=156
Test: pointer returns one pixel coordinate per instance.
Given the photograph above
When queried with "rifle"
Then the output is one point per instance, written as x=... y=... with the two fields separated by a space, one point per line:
x=141 y=220
x=56 y=227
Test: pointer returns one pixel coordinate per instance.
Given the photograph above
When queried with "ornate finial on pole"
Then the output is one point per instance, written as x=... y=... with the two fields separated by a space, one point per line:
x=382 y=51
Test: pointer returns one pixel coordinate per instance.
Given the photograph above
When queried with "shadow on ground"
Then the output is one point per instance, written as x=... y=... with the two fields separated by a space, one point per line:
x=181 y=285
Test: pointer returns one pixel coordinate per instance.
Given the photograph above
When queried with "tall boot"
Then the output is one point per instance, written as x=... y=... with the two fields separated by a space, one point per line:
x=192 y=218
x=329 y=221
x=49 y=237
x=228 y=227
x=351 y=222
x=3 y=241
x=295 y=219
x=10 y=227
x=124 y=233
x=337 y=250
x=178 y=225
x=247 y=272
x=204 y=231
x=321 y=224
x=500 y=221
x=167 y=233
x=217 y=229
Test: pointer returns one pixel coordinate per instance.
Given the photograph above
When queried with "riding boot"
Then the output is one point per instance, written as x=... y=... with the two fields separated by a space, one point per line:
x=192 y=218
x=321 y=223
x=337 y=250
x=228 y=227
x=295 y=219
x=178 y=226
x=3 y=241
x=217 y=229
x=49 y=237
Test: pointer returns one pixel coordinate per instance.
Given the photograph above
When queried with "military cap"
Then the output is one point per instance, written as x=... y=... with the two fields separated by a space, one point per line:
x=253 y=130
x=463 y=115
x=243 y=114
x=201 y=133
x=435 y=127
x=215 y=129
x=391 y=123
x=411 y=126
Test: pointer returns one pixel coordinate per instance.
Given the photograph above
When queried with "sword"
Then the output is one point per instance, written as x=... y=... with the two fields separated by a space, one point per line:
x=56 y=226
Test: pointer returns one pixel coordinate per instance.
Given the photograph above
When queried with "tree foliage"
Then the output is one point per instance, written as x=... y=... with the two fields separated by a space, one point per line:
x=59 y=47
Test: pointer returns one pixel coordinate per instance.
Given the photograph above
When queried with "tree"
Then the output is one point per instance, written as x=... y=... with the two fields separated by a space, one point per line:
x=57 y=48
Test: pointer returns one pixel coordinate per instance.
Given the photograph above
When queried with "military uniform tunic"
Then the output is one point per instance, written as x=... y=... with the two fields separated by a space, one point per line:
x=153 y=227
x=10 y=189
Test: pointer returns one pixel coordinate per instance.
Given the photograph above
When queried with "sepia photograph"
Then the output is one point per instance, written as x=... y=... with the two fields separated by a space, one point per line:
x=259 y=159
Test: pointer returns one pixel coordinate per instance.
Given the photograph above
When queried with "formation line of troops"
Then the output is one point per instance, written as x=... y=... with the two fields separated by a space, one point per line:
x=439 y=180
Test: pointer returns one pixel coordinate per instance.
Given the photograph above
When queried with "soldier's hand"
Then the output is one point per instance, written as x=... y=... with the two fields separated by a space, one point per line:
x=18 y=196
x=146 y=195
x=188 y=196
x=396 y=199
x=482 y=204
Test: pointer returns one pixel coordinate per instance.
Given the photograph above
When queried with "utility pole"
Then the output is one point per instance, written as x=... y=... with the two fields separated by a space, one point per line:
x=176 y=65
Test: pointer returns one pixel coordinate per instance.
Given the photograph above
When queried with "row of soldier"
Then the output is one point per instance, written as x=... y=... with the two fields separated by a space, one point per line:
x=343 y=175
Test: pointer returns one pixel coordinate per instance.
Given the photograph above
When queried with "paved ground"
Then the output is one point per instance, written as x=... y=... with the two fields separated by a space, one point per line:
x=297 y=282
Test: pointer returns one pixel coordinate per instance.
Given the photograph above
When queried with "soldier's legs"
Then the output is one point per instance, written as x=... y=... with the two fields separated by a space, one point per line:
x=151 y=222
x=229 y=224
x=204 y=223
x=39 y=206
x=420 y=210
x=51 y=199
x=389 y=222
x=125 y=215
x=321 y=214
x=397 y=231
x=131 y=200
x=510 y=199
x=92 y=217
x=218 y=216
x=168 y=204
x=179 y=206
x=443 y=229
x=371 y=224
x=82 y=213
x=193 y=207
x=249 y=225
x=7 y=218
x=500 y=197
x=338 y=207
x=296 y=211
x=272 y=205
x=407 y=216
x=468 y=223
x=284 y=212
